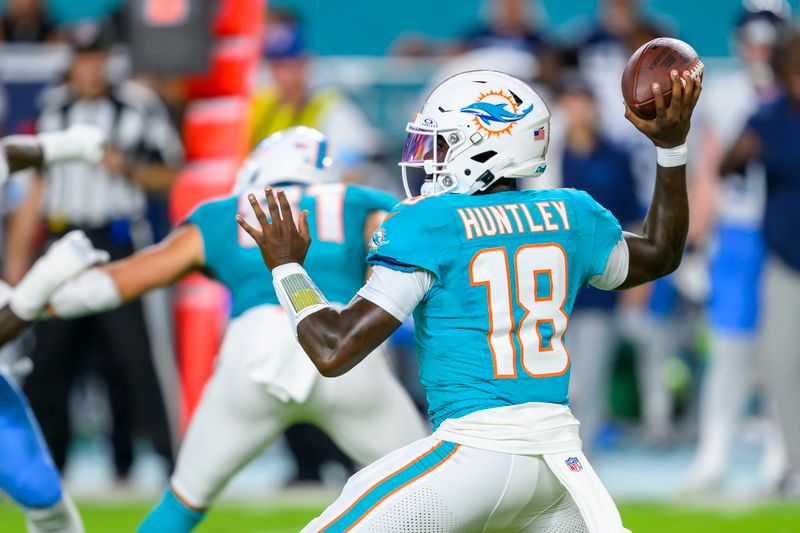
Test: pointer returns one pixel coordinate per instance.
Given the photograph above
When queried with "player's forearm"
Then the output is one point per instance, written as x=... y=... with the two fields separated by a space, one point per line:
x=732 y=163
x=22 y=152
x=746 y=148
x=323 y=336
x=667 y=221
x=336 y=341
x=136 y=276
x=158 y=265
x=659 y=250
x=10 y=325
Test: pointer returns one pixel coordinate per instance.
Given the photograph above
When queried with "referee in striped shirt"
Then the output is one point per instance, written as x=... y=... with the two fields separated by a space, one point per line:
x=108 y=202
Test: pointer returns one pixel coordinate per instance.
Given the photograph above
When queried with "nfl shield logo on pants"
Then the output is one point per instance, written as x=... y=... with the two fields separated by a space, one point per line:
x=574 y=464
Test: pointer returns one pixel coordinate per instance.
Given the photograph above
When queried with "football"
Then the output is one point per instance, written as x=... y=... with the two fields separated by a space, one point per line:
x=652 y=63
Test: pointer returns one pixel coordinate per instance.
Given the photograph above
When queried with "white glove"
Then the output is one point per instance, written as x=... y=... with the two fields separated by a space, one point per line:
x=4 y=170
x=79 y=142
x=66 y=258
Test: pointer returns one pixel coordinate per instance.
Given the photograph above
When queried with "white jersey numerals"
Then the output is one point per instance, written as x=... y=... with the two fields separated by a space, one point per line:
x=329 y=210
x=541 y=280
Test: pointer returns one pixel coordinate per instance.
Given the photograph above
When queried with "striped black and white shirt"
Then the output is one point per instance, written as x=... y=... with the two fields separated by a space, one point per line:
x=137 y=122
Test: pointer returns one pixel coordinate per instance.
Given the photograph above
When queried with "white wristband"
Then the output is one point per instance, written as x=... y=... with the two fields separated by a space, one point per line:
x=4 y=170
x=297 y=293
x=672 y=157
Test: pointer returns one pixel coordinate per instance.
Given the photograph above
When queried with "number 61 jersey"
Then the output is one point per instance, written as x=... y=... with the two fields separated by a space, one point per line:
x=491 y=331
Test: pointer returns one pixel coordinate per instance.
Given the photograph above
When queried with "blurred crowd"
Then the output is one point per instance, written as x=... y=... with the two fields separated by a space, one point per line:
x=701 y=357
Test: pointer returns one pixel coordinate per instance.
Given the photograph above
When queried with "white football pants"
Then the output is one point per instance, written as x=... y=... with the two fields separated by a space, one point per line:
x=366 y=412
x=435 y=486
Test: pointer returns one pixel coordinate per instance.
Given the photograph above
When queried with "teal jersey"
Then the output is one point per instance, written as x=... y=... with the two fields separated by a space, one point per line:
x=336 y=217
x=491 y=331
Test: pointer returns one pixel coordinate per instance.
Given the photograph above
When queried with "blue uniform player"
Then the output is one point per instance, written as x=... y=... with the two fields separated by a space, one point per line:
x=737 y=245
x=27 y=472
x=262 y=381
x=770 y=138
x=491 y=274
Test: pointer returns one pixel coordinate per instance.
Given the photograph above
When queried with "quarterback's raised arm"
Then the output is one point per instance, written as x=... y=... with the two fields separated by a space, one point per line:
x=335 y=340
x=659 y=249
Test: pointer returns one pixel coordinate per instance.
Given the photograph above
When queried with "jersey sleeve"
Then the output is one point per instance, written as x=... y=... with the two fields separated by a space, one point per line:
x=213 y=219
x=402 y=242
x=396 y=292
x=606 y=232
x=371 y=199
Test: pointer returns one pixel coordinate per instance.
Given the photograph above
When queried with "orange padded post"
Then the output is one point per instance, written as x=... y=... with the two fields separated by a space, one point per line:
x=239 y=17
x=216 y=135
x=217 y=127
x=232 y=70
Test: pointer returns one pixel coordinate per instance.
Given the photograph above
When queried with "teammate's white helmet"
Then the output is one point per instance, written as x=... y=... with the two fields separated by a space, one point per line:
x=296 y=155
x=475 y=128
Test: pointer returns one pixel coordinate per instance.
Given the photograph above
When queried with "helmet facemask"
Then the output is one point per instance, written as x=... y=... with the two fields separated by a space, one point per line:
x=426 y=154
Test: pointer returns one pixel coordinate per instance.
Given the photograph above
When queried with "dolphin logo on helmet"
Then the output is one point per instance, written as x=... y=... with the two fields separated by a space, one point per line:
x=488 y=112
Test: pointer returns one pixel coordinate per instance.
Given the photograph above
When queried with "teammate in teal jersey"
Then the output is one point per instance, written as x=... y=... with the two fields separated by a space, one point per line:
x=491 y=274
x=263 y=382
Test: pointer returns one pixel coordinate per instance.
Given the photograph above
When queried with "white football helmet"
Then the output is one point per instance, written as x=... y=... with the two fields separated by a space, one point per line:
x=475 y=128
x=296 y=155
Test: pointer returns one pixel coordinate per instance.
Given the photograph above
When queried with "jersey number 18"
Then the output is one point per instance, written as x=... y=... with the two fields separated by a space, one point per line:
x=541 y=281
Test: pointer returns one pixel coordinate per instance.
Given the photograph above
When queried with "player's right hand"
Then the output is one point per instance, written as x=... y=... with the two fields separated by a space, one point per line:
x=280 y=240
x=70 y=255
x=671 y=125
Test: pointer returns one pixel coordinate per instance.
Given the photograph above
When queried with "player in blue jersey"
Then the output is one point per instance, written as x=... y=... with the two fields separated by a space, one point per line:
x=263 y=382
x=27 y=472
x=733 y=216
x=491 y=274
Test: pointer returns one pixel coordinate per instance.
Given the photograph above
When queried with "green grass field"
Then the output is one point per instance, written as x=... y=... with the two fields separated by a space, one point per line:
x=275 y=517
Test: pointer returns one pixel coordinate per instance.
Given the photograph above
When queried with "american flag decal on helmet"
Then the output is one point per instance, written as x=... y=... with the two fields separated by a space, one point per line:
x=538 y=135
x=574 y=464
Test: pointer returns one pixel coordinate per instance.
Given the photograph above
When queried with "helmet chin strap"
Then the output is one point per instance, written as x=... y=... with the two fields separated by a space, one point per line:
x=428 y=188
x=438 y=185
x=488 y=177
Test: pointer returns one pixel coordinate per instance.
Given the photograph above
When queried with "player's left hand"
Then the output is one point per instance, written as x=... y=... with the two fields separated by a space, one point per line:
x=280 y=240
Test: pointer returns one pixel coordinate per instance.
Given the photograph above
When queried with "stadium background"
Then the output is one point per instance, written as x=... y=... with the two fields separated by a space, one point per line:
x=352 y=44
